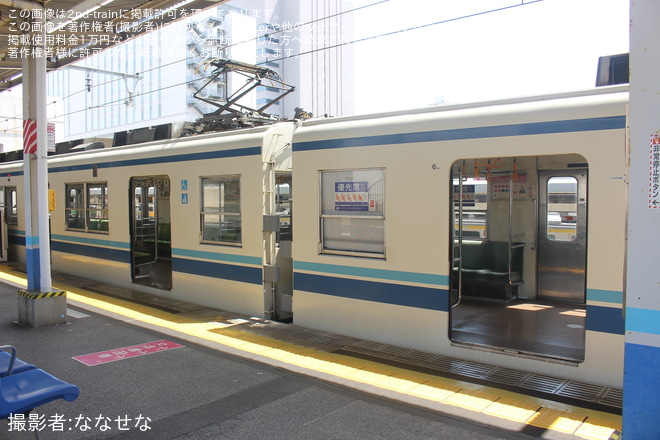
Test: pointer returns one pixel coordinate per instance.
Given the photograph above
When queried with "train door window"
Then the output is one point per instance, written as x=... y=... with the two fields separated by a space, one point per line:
x=75 y=206
x=151 y=204
x=97 y=207
x=221 y=210
x=283 y=206
x=352 y=212
x=137 y=203
x=562 y=209
x=11 y=205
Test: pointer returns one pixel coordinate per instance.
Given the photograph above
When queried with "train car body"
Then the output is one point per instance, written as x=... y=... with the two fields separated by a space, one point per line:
x=492 y=232
x=183 y=219
x=538 y=287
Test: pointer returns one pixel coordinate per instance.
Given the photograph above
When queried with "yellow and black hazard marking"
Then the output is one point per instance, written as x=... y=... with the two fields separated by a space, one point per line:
x=427 y=389
x=39 y=295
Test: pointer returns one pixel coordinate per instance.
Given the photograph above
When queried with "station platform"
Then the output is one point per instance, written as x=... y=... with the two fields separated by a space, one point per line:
x=512 y=400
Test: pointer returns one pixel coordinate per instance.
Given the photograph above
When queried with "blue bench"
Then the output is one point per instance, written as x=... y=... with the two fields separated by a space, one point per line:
x=25 y=387
x=9 y=364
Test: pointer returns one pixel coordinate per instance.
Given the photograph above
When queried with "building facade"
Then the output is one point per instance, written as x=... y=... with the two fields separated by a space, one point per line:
x=151 y=80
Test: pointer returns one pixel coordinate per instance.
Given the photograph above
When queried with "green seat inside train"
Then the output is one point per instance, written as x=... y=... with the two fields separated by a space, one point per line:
x=485 y=271
x=163 y=240
x=98 y=224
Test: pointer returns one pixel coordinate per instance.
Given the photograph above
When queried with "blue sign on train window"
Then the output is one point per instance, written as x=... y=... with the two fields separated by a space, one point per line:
x=351 y=196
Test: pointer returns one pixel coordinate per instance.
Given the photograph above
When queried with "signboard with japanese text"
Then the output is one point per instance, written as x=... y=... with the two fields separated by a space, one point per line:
x=352 y=196
x=51 y=137
x=654 y=172
x=118 y=354
x=502 y=186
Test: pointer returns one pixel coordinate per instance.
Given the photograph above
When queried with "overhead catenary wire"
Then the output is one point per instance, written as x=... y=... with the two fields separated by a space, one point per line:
x=249 y=40
x=414 y=28
x=161 y=66
x=275 y=32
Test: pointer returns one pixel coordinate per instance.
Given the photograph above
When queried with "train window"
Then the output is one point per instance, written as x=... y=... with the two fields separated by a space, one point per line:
x=75 y=206
x=352 y=214
x=221 y=210
x=283 y=206
x=474 y=207
x=11 y=205
x=562 y=209
x=86 y=207
x=97 y=207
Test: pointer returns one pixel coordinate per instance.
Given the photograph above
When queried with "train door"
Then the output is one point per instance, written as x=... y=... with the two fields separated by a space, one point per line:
x=4 y=244
x=284 y=209
x=517 y=254
x=151 y=252
x=562 y=237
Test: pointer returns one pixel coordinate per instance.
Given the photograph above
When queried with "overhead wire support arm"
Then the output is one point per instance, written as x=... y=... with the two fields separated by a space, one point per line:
x=230 y=113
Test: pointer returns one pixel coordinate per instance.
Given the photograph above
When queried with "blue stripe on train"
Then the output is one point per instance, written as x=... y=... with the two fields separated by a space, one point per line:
x=396 y=294
x=236 y=152
x=232 y=272
x=605 y=319
x=365 y=272
x=600 y=319
x=122 y=256
x=18 y=240
x=243 y=274
x=533 y=128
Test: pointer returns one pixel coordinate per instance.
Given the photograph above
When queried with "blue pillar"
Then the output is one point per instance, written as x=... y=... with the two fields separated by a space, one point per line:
x=641 y=385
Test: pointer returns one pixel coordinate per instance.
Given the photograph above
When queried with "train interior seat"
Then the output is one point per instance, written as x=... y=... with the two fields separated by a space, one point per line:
x=485 y=269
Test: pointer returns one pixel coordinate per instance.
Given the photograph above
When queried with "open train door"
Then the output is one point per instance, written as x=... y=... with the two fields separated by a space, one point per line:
x=151 y=251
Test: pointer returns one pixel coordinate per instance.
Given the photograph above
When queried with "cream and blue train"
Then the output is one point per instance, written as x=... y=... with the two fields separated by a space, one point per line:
x=491 y=232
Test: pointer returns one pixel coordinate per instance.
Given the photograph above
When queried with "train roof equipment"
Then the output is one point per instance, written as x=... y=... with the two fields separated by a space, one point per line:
x=230 y=114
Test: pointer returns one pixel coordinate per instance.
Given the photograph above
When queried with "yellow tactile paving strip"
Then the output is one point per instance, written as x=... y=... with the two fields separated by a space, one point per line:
x=519 y=408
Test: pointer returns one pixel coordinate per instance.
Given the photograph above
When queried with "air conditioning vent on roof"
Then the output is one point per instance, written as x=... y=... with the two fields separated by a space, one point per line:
x=613 y=69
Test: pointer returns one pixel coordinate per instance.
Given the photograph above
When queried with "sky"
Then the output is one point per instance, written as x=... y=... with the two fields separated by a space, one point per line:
x=520 y=48
x=416 y=53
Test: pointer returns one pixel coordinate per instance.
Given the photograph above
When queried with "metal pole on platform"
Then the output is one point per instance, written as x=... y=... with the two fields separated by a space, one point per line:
x=39 y=305
x=35 y=122
x=641 y=385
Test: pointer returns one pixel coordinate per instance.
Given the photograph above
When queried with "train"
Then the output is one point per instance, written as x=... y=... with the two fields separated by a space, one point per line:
x=491 y=232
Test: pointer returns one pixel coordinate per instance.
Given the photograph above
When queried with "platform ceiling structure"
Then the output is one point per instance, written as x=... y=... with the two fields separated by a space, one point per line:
x=76 y=28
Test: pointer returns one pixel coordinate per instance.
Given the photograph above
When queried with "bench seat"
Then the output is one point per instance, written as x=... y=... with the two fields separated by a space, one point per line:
x=24 y=387
x=486 y=269
x=18 y=367
x=22 y=392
